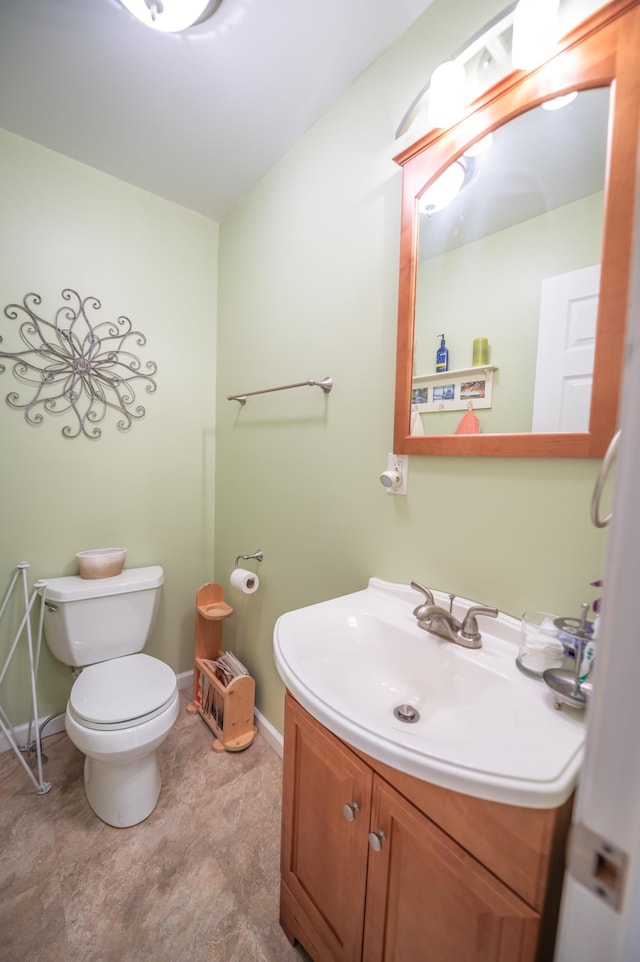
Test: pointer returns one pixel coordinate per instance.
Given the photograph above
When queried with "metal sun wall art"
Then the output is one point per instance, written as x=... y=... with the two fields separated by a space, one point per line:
x=76 y=366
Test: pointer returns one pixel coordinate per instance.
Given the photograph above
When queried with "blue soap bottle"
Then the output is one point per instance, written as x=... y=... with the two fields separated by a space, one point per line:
x=442 y=357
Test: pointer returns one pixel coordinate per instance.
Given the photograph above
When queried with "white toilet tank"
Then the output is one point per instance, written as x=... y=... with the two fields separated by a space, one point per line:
x=87 y=621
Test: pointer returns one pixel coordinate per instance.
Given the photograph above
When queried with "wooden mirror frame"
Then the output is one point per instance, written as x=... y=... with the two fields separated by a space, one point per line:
x=602 y=51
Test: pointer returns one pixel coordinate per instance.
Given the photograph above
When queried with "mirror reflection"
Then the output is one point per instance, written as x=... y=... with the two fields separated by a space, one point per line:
x=510 y=239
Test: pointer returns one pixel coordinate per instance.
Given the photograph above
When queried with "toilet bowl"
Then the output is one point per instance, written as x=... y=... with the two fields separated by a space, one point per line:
x=119 y=736
x=120 y=708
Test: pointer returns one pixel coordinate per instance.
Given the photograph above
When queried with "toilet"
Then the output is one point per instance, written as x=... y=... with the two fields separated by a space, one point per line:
x=124 y=702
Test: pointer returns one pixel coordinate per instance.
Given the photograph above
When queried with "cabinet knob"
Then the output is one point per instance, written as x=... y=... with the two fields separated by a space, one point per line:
x=376 y=839
x=350 y=811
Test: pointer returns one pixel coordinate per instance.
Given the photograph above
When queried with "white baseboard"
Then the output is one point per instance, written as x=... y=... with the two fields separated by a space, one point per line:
x=21 y=732
x=270 y=734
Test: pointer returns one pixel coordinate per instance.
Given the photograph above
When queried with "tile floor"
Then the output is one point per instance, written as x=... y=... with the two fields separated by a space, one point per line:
x=198 y=880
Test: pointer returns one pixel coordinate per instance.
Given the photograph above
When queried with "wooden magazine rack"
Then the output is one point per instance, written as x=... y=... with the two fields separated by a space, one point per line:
x=227 y=708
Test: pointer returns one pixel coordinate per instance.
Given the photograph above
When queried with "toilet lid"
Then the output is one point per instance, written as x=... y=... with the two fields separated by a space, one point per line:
x=121 y=692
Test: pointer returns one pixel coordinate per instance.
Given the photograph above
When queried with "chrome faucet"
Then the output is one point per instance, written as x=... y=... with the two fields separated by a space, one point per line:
x=444 y=624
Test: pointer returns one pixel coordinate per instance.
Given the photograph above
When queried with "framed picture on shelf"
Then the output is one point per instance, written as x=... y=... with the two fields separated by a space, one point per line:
x=454 y=390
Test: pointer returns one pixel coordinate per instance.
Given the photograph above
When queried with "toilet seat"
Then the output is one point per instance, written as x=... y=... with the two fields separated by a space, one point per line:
x=122 y=693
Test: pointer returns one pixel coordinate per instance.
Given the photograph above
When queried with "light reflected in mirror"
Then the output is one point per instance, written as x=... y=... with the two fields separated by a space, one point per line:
x=512 y=255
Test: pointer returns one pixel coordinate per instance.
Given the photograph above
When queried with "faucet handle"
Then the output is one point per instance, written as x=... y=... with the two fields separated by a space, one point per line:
x=428 y=594
x=425 y=591
x=469 y=628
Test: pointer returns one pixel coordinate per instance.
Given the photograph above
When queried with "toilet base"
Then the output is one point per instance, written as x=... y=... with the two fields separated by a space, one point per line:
x=122 y=794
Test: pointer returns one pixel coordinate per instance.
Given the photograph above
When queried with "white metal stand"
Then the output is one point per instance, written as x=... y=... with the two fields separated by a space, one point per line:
x=42 y=787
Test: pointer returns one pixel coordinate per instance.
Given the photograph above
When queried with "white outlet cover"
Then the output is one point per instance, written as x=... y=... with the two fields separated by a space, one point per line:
x=399 y=462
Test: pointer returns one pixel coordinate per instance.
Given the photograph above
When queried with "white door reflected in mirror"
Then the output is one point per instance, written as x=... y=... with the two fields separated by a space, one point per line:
x=566 y=350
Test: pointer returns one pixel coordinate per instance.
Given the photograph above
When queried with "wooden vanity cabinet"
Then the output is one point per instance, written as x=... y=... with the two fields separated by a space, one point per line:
x=323 y=854
x=369 y=872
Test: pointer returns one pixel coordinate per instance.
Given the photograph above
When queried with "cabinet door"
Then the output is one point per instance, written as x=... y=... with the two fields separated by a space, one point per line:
x=429 y=900
x=324 y=854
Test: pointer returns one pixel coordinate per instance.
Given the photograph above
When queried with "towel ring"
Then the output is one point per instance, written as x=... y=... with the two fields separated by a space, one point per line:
x=605 y=467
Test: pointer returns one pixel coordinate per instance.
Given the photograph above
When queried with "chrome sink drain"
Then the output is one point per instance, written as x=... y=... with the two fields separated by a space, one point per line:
x=407 y=714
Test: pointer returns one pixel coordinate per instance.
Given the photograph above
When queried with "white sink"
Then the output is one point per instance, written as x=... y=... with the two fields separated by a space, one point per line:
x=484 y=728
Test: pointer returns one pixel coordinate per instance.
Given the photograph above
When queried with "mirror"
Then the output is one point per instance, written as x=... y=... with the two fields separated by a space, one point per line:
x=524 y=229
x=531 y=250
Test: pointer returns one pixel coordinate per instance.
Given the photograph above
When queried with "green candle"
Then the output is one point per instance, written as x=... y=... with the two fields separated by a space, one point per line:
x=480 y=352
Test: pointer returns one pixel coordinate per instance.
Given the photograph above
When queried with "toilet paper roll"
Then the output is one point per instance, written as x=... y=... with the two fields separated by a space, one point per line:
x=245 y=581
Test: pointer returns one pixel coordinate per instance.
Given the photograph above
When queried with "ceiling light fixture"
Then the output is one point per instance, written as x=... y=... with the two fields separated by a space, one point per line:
x=557 y=103
x=480 y=147
x=535 y=25
x=170 y=16
x=446 y=187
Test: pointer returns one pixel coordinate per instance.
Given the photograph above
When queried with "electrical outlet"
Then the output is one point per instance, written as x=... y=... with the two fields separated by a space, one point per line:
x=399 y=463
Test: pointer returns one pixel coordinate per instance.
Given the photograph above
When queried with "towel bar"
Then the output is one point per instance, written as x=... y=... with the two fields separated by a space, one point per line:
x=326 y=384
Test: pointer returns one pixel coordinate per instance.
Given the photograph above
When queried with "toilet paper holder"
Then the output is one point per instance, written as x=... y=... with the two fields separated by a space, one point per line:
x=258 y=556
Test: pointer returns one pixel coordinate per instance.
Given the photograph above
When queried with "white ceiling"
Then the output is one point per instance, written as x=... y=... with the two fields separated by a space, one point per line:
x=196 y=117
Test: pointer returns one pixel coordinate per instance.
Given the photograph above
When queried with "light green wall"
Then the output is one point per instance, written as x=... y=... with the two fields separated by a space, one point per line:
x=308 y=288
x=500 y=300
x=150 y=490
x=308 y=273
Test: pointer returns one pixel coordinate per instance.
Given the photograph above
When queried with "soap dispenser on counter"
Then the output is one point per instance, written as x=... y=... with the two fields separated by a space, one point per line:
x=573 y=685
x=442 y=356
